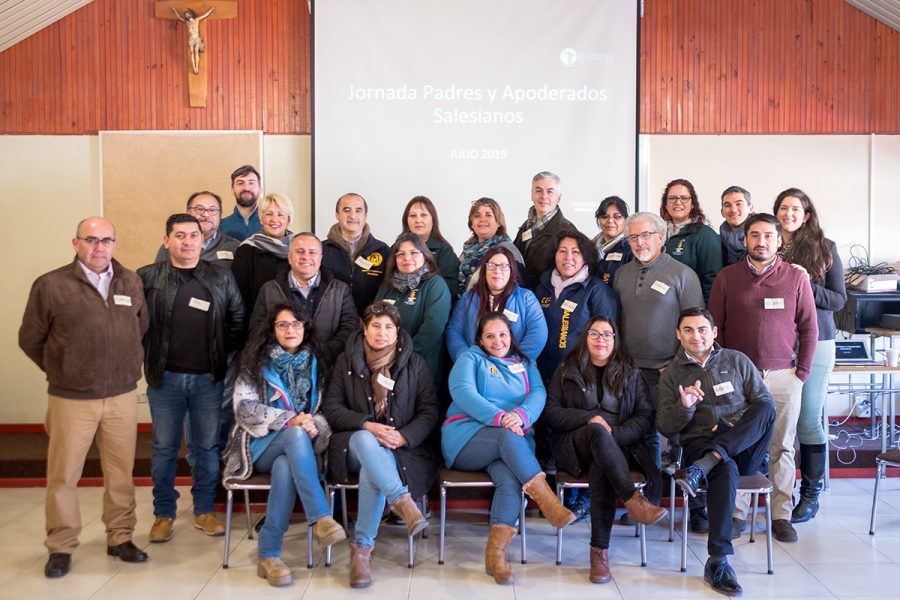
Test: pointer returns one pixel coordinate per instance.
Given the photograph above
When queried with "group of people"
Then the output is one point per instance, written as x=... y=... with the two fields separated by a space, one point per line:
x=346 y=359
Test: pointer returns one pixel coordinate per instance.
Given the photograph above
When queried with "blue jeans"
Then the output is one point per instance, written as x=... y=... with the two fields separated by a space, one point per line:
x=378 y=480
x=227 y=411
x=200 y=397
x=509 y=460
x=291 y=461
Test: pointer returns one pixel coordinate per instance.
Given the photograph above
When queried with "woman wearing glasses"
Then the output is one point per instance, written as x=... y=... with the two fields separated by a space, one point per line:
x=382 y=407
x=278 y=430
x=497 y=397
x=420 y=217
x=602 y=423
x=412 y=283
x=488 y=226
x=612 y=247
x=691 y=241
x=498 y=290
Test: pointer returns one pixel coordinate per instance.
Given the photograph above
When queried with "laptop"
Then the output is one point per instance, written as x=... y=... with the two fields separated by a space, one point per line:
x=851 y=352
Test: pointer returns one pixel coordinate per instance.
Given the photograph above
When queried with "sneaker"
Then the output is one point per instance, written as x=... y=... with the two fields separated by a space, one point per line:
x=738 y=526
x=721 y=577
x=783 y=531
x=699 y=521
x=162 y=530
x=209 y=524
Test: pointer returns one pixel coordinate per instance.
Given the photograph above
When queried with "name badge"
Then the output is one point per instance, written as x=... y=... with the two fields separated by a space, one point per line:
x=516 y=368
x=616 y=256
x=659 y=286
x=361 y=262
x=199 y=304
x=513 y=317
x=569 y=306
x=723 y=388
x=389 y=301
x=385 y=381
x=774 y=303
x=121 y=300
x=225 y=255
x=527 y=235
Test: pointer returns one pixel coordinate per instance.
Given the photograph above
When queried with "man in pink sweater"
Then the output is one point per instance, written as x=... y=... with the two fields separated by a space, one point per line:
x=765 y=309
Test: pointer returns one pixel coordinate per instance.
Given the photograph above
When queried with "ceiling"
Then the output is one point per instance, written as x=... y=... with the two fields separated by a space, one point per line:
x=886 y=11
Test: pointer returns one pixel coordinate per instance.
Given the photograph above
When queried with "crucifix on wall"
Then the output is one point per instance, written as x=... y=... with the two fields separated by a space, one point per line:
x=194 y=14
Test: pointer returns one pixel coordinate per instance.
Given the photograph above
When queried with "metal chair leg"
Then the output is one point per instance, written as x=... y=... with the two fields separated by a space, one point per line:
x=671 y=509
x=879 y=471
x=769 y=556
x=309 y=546
x=249 y=518
x=522 y=529
x=228 y=508
x=684 y=532
x=643 y=545
x=560 y=491
x=443 y=523
x=754 y=500
x=330 y=491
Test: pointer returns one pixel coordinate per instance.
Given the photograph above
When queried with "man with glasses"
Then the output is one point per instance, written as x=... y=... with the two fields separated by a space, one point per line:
x=536 y=236
x=82 y=327
x=736 y=207
x=196 y=317
x=653 y=289
x=246 y=185
x=217 y=247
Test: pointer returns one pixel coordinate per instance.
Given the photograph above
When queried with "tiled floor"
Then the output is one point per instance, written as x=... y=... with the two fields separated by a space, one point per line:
x=835 y=558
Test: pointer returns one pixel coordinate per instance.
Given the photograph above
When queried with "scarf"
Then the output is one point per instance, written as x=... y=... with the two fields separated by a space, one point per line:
x=261 y=241
x=535 y=224
x=379 y=363
x=559 y=284
x=334 y=234
x=472 y=254
x=404 y=282
x=603 y=248
x=733 y=242
x=295 y=370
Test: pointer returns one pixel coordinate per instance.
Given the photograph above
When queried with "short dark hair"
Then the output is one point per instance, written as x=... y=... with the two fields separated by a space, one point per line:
x=381 y=308
x=736 y=189
x=611 y=201
x=245 y=170
x=588 y=249
x=180 y=218
x=762 y=217
x=204 y=193
x=696 y=311
x=337 y=205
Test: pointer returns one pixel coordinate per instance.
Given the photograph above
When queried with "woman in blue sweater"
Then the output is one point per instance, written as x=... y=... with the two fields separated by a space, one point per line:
x=498 y=290
x=497 y=396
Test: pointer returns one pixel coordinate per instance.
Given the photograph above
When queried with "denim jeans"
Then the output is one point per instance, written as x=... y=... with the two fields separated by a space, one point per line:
x=200 y=397
x=378 y=480
x=227 y=411
x=291 y=461
x=810 y=430
x=510 y=462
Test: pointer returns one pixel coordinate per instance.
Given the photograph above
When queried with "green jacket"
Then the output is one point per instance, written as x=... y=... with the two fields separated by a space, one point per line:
x=699 y=248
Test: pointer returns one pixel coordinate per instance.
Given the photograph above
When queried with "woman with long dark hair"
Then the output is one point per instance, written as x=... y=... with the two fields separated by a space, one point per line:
x=278 y=430
x=602 y=422
x=805 y=245
x=420 y=217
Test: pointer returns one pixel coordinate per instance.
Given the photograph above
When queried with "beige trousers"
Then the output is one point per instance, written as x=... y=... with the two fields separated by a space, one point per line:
x=786 y=390
x=72 y=426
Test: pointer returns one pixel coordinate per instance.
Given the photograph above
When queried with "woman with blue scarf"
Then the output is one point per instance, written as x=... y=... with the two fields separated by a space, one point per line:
x=278 y=430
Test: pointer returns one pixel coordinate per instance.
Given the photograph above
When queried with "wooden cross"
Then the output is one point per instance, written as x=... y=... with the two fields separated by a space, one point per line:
x=195 y=24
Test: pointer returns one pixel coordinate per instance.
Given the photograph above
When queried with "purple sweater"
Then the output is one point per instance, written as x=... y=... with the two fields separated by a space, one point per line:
x=769 y=336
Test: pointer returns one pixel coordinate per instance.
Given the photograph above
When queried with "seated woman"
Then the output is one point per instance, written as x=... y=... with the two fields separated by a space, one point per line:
x=278 y=430
x=497 y=396
x=382 y=408
x=602 y=422
x=498 y=290
x=488 y=226
x=420 y=217
x=612 y=247
x=412 y=283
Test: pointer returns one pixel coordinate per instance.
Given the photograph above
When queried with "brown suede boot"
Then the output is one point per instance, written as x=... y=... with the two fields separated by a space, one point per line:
x=495 y=553
x=641 y=510
x=360 y=570
x=600 y=565
x=405 y=508
x=538 y=490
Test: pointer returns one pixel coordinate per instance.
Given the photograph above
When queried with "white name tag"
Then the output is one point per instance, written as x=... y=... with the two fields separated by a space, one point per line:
x=199 y=304
x=225 y=255
x=569 y=306
x=659 y=286
x=527 y=235
x=385 y=381
x=723 y=388
x=361 y=262
x=513 y=317
x=120 y=300
x=516 y=368
x=617 y=256
x=389 y=301
x=774 y=303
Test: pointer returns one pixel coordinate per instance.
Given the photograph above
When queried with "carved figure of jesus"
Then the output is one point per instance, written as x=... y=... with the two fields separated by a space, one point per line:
x=196 y=45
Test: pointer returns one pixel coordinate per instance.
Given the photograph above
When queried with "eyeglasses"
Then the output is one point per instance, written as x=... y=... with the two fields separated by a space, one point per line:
x=644 y=235
x=285 y=325
x=502 y=267
x=677 y=199
x=606 y=336
x=613 y=217
x=383 y=308
x=94 y=241
x=202 y=210
x=410 y=254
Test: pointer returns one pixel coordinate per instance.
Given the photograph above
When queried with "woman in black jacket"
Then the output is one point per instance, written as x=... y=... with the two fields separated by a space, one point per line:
x=381 y=406
x=601 y=421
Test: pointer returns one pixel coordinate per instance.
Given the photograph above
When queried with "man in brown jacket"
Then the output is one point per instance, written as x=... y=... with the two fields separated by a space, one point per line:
x=82 y=327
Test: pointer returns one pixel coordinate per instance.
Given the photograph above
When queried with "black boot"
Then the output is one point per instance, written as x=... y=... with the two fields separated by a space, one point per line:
x=812 y=472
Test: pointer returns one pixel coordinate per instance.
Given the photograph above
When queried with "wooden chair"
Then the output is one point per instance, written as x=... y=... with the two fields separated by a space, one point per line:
x=891 y=458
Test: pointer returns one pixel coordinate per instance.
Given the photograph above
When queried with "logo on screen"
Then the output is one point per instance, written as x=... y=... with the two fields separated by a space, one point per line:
x=568 y=56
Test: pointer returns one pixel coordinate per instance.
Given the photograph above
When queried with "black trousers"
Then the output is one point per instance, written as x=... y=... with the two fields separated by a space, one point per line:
x=743 y=449
x=609 y=477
